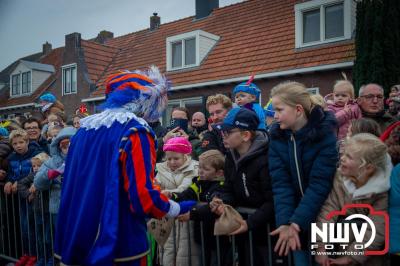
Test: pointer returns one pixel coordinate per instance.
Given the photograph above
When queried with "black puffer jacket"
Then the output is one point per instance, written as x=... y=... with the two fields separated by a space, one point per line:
x=248 y=184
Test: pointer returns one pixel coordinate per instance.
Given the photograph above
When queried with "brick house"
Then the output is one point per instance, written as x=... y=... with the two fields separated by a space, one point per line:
x=307 y=41
x=69 y=72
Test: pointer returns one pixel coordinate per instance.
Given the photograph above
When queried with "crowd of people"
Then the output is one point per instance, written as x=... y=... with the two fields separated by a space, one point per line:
x=293 y=162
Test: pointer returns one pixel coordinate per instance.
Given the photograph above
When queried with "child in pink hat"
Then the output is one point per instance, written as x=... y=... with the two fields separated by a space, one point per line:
x=175 y=175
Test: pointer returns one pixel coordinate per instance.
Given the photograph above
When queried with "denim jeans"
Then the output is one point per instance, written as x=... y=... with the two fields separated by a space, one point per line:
x=27 y=226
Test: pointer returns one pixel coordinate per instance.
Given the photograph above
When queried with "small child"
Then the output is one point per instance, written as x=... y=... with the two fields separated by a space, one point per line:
x=248 y=94
x=209 y=181
x=269 y=113
x=363 y=125
x=50 y=173
x=363 y=177
x=343 y=105
x=41 y=209
x=175 y=175
x=53 y=131
x=19 y=166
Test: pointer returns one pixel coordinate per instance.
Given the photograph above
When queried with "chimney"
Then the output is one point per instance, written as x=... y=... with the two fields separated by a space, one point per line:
x=72 y=41
x=46 y=48
x=155 y=22
x=104 y=36
x=205 y=7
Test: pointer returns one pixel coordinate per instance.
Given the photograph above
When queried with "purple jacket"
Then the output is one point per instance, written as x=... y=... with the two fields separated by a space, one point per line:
x=344 y=118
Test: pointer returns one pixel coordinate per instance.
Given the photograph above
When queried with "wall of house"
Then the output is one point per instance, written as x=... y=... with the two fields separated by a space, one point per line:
x=323 y=80
x=205 y=46
x=38 y=77
x=73 y=101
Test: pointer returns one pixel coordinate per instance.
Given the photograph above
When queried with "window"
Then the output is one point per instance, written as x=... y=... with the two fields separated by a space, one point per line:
x=15 y=85
x=193 y=105
x=186 y=50
x=21 y=84
x=314 y=90
x=323 y=21
x=26 y=82
x=189 y=49
x=69 y=79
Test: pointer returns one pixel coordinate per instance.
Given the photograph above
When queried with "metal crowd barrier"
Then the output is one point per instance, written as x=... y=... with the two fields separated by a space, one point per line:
x=25 y=228
x=234 y=252
x=12 y=240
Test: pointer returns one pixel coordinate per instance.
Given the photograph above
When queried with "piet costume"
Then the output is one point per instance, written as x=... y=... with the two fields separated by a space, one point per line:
x=107 y=190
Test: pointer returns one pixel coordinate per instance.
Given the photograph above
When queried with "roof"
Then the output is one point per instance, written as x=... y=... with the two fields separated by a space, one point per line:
x=257 y=37
x=38 y=66
x=54 y=58
x=97 y=58
x=5 y=73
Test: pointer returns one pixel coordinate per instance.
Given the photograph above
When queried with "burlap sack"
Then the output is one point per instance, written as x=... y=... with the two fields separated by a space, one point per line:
x=227 y=222
x=160 y=229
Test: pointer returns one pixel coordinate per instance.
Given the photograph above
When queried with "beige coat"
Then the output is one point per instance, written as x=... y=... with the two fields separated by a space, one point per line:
x=179 y=238
x=375 y=193
x=178 y=180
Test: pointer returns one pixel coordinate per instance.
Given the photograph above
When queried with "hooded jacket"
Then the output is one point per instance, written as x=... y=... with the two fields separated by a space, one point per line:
x=374 y=193
x=394 y=210
x=248 y=183
x=20 y=165
x=180 y=179
x=42 y=181
x=302 y=166
x=344 y=117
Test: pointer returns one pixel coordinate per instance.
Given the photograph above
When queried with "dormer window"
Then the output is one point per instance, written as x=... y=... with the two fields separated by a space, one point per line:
x=27 y=76
x=323 y=21
x=21 y=84
x=189 y=49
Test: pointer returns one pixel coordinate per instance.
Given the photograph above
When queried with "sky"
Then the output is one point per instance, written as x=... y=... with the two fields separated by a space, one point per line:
x=25 y=25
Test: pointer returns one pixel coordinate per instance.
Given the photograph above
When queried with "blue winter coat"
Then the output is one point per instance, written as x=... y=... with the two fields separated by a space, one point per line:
x=302 y=166
x=41 y=179
x=394 y=210
x=20 y=166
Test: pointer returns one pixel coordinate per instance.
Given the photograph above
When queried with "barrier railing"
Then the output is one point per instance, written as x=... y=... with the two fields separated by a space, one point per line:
x=26 y=227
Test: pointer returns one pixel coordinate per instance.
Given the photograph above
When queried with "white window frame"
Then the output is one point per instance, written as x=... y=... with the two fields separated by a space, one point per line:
x=313 y=90
x=322 y=4
x=70 y=66
x=20 y=94
x=181 y=103
x=182 y=37
x=29 y=84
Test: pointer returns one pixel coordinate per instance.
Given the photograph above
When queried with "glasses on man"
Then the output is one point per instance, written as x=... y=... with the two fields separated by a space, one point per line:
x=371 y=97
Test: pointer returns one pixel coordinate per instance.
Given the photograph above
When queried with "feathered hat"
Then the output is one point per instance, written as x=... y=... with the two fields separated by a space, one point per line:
x=47 y=100
x=248 y=87
x=142 y=92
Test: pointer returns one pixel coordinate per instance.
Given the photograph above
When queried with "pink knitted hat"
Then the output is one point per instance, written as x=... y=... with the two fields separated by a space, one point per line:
x=179 y=145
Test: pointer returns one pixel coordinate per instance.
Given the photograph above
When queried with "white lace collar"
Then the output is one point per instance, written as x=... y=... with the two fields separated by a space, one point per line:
x=108 y=117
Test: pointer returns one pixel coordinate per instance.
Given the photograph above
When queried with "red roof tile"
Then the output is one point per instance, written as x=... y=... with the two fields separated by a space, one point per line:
x=257 y=36
x=53 y=58
x=97 y=58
